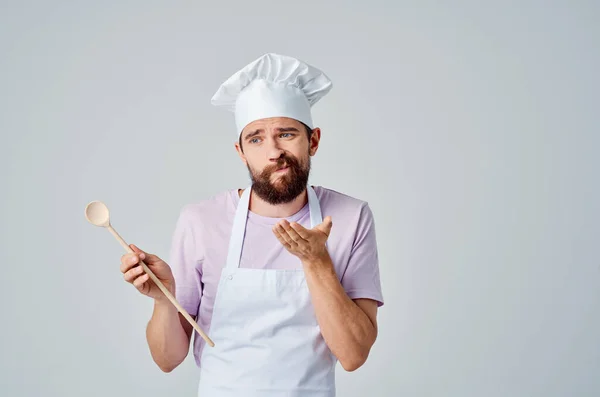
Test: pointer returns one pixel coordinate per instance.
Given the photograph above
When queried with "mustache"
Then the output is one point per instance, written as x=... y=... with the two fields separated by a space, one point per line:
x=285 y=160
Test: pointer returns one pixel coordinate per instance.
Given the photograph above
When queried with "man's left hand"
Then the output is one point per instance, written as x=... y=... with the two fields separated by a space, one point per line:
x=306 y=244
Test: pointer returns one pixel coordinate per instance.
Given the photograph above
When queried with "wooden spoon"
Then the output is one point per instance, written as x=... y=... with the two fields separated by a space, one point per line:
x=97 y=214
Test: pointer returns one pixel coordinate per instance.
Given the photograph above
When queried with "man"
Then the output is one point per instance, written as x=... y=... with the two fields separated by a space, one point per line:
x=283 y=292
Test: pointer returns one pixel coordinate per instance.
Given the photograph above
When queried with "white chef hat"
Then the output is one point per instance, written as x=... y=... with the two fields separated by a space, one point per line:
x=272 y=86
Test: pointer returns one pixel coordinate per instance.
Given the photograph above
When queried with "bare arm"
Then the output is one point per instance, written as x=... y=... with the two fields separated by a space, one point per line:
x=348 y=327
x=168 y=335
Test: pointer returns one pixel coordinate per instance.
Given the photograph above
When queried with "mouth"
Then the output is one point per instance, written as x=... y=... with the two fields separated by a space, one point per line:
x=282 y=169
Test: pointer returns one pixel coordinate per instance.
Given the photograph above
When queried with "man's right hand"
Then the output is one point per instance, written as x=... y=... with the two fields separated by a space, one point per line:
x=134 y=274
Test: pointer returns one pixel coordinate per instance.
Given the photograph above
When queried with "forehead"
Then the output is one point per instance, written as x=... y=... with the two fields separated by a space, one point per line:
x=271 y=124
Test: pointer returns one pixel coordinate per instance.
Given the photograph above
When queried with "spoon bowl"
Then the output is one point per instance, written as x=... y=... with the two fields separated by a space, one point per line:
x=97 y=214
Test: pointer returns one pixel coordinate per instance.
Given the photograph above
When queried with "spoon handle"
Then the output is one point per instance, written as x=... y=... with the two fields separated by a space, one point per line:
x=163 y=289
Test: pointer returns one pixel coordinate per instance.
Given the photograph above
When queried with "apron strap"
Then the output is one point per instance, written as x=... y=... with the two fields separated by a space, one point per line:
x=238 y=230
x=314 y=207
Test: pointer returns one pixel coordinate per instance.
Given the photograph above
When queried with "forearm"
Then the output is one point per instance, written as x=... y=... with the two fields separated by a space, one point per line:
x=167 y=339
x=346 y=328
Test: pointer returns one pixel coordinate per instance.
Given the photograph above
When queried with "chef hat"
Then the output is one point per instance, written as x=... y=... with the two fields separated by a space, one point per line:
x=272 y=86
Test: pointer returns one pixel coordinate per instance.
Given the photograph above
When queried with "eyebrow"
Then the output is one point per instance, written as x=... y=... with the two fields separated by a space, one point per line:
x=280 y=129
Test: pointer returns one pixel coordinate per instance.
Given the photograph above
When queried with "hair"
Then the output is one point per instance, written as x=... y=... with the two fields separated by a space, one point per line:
x=309 y=132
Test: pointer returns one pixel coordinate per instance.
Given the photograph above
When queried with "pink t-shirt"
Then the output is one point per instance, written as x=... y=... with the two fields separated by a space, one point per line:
x=201 y=238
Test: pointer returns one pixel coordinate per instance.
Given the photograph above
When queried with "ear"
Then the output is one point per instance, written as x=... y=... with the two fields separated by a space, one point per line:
x=315 y=138
x=240 y=153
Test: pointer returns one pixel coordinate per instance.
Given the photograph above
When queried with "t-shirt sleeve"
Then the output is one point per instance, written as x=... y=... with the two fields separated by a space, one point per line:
x=185 y=264
x=361 y=278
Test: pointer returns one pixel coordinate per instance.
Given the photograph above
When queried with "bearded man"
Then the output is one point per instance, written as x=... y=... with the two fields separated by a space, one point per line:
x=283 y=275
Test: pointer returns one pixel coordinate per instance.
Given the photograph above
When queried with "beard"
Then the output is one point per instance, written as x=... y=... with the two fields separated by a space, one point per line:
x=287 y=186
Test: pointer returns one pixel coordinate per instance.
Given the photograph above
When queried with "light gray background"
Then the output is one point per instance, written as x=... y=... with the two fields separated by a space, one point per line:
x=469 y=128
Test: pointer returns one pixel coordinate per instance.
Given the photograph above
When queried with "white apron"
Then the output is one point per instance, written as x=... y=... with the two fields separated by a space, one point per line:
x=267 y=339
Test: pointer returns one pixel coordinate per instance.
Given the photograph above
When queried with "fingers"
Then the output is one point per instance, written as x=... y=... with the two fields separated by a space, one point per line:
x=132 y=274
x=302 y=232
x=146 y=257
x=128 y=261
x=279 y=234
x=293 y=234
x=283 y=235
x=326 y=225
x=137 y=277
x=132 y=271
x=139 y=282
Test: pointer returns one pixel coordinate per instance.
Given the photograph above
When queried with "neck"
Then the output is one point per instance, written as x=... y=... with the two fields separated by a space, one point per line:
x=264 y=208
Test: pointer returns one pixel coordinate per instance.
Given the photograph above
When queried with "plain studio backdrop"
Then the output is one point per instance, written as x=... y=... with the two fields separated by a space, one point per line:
x=471 y=129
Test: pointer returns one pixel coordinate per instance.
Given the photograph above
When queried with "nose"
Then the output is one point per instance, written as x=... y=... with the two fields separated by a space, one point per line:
x=274 y=151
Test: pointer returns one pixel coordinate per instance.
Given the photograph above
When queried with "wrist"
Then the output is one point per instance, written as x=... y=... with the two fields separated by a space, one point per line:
x=319 y=262
x=163 y=302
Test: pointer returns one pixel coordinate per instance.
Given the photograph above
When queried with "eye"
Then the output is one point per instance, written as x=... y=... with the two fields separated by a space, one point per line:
x=253 y=140
x=286 y=133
